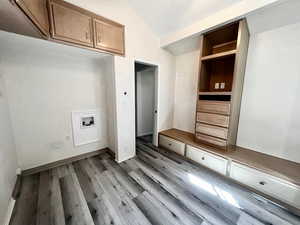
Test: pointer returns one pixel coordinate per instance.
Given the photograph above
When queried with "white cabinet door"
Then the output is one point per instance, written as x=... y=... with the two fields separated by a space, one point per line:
x=171 y=144
x=273 y=186
x=211 y=161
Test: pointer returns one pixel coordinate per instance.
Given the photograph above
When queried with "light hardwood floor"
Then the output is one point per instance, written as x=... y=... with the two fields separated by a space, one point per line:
x=153 y=188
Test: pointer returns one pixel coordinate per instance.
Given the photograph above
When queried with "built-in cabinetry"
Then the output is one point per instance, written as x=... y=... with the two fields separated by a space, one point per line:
x=221 y=75
x=230 y=166
x=60 y=21
x=36 y=11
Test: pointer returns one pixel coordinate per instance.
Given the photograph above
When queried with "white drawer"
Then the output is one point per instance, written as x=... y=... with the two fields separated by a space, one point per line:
x=171 y=144
x=211 y=161
x=273 y=186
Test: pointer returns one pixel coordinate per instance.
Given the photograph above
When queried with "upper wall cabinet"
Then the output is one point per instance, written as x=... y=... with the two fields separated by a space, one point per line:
x=109 y=36
x=70 y=23
x=63 y=22
x=36 y=11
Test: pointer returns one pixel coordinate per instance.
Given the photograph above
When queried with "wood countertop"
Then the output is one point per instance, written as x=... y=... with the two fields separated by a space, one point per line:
x=281 y=168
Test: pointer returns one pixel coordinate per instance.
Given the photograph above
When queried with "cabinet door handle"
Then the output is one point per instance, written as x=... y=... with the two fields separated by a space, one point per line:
x=203 y=158
x=262 y=183
x=170 y=144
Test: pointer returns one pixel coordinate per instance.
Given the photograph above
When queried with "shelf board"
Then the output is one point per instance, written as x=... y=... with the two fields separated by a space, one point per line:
x=214 y=92
x=218 y=55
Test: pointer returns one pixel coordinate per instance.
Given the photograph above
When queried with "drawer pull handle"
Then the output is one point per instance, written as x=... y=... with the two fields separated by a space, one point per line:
x=203 y=158
x=170 y=144
x=262 y=183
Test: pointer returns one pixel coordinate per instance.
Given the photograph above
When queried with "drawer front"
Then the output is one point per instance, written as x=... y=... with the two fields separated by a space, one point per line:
x=204 y=158
x=266 y=183
x=219 y=132
x=171 y=144
x=211 y=140
x=214 y=119
x=214 y=107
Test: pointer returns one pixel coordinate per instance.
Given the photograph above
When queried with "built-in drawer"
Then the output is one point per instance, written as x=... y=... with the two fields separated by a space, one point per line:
x=204 y=158
x=214 y=119
x=220 y=107
x=211 y=140
x=171 y=144
x=266 y=183
x=215 y=131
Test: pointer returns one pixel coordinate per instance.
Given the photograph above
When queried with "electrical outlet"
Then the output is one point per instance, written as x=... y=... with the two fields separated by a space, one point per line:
x=217 y=85
x=222 y=85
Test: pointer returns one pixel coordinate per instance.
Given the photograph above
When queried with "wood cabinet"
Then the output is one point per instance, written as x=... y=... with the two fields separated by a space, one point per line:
x=109 y=36
x=221 y=76
x=70 y=23
x=36 y=11
x=63 y=22
x=213 y=119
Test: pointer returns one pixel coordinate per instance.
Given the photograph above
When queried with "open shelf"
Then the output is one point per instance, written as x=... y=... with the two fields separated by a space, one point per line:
x=215 y=96
x=221 y=40
x=219 y=55
x=217 y=75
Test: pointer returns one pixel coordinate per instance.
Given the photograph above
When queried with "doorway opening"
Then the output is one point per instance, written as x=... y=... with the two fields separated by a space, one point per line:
x=146 y=103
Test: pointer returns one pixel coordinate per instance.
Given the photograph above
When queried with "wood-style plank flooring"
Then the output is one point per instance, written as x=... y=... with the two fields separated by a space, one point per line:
x=153 y=188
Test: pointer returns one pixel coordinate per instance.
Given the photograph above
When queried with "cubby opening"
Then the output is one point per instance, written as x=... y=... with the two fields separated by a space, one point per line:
x=221 y=40
x=215 y=97
x=217 y=75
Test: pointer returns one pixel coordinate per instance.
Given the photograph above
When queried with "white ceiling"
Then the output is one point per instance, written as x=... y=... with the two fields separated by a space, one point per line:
x=166 y=16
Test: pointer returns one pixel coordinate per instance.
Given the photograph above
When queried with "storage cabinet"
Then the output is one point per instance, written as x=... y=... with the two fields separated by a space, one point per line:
x=69 y=23
x=211 y=161
x=266 y=183
x=225 y=164
x=221 y=74
x=36 y=11
x=66 y=23
x=109 y=36
x=171 y=144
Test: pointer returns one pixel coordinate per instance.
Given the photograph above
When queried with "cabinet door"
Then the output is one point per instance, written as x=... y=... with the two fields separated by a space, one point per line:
x=36 y=11
x=70 y=23
x=109 y=36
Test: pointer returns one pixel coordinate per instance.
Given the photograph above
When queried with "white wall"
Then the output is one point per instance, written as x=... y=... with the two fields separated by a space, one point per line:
x=270 y=111
x=186 y=91
x=45 y=83
x=8 y=157
x=145 y=87
x=141 y=45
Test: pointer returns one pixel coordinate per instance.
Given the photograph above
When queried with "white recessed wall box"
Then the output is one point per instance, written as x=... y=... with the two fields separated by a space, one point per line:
x=85 y=127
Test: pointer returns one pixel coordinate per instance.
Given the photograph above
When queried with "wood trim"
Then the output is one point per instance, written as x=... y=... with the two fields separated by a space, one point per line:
x=238 y=80
x=62 y=162
x=218 y=55
x=17 y=188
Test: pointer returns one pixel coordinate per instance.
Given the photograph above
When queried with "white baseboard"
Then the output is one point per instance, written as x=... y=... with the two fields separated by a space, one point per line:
x=10 y=209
